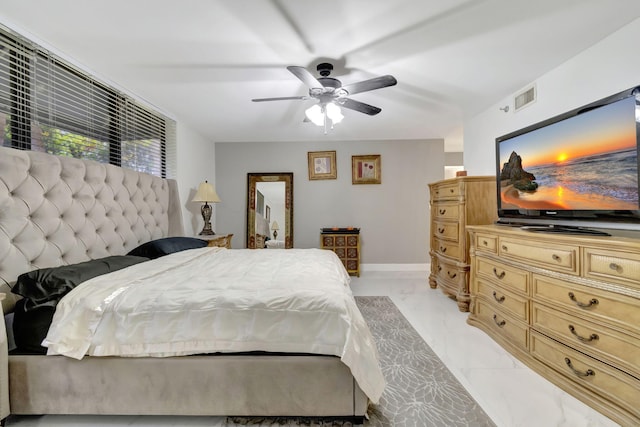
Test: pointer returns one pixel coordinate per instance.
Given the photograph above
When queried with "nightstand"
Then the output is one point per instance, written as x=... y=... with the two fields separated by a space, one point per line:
x=345 y=242
x=220 y=240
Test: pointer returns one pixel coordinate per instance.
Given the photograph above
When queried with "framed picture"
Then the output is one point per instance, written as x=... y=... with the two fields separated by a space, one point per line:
x=267 y=213
x=366 y=169
x=322 y=165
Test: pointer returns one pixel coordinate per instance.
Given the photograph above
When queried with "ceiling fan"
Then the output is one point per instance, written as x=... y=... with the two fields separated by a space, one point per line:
x=330 y=93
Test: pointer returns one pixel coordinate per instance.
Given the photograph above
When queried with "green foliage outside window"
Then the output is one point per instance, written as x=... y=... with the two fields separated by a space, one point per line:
x=140 y=155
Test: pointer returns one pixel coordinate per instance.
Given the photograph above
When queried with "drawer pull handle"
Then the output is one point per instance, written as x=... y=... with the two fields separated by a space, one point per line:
x=591 y=303
x=495 y=297
x=439 y=268
x=592 y=337
x=451 y=276
x=505 y=248
x=615 y=267
x=500 y=323
x=440 y=230
x=556 y=257
x=451 y=190
x=587 y=373
x=443 y=250
x=442 y=211
x=499 y=276
x=484 y=242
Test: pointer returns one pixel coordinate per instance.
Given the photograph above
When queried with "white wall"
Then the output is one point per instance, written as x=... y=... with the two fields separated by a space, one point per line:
x=393 y=216
x=608 y=67
x=196 y=163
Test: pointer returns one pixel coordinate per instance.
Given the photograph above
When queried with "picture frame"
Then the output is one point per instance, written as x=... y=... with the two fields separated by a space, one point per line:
x=267 y=213
x=322 y=165
x=366 y=169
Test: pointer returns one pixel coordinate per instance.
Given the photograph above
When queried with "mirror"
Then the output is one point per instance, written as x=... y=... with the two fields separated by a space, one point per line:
x=270 y=210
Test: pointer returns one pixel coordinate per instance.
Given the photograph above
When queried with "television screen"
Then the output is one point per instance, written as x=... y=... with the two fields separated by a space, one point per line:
x=582 y=165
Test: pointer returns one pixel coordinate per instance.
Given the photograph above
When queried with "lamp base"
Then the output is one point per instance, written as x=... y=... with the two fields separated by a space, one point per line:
x=206 y=216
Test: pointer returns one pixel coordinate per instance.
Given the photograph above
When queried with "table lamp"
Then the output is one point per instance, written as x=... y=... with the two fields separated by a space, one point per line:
x=207 y=194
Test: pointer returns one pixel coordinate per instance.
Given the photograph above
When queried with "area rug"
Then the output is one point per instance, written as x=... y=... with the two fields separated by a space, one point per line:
x=420 y=390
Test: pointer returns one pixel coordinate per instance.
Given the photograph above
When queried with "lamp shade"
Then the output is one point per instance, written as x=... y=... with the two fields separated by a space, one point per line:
x=274 y=226
x=206 y=193
x=334 y=113
x=316 y=115
x=319 y=113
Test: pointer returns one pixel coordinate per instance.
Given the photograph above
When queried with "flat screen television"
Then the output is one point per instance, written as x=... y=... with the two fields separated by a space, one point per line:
x=577 y=170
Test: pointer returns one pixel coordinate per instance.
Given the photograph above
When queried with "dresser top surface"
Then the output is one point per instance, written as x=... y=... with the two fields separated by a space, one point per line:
x=456 y=179
x=618 y=237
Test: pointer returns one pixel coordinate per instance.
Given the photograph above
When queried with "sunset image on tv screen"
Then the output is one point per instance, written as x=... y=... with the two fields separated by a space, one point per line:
x=589 y=161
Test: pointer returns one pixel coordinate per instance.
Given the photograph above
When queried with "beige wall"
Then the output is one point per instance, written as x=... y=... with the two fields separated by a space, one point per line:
x=393 y=216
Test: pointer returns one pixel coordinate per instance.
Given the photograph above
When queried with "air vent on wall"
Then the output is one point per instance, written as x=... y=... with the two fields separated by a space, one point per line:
x=525 y=98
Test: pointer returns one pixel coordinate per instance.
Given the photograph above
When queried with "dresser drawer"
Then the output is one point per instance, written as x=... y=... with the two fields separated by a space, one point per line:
x=453 y=274
x=501 y=324
x=502 y=299
x=614 y=266
x=610 y=308
x=450 y=249
x=446 y=191
x=334 y=240
x=502 y=274
x=590 y=373
x=328 y=241
x=486 y=243
x=446 y=230
x=351 y=264
x=602 y=342
x=556 y=257
x=447 y=210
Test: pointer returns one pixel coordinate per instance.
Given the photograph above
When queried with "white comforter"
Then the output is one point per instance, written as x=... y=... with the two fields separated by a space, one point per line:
x=219 y=300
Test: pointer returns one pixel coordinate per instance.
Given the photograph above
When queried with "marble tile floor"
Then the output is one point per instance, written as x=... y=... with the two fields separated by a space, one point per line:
x=508 y=391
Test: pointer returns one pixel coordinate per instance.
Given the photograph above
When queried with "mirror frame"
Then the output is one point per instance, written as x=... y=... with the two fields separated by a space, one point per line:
x=253 y=178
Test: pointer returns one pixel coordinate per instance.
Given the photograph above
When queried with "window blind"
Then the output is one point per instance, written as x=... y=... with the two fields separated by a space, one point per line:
x=47 y=104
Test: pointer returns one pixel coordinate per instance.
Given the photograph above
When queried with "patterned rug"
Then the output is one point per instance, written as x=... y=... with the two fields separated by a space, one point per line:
x=420 y=390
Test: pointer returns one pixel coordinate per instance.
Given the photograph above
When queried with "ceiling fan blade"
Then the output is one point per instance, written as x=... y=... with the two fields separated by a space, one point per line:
x=284 y=98
x=371 y=84
x=360 y=106
x=306 y=77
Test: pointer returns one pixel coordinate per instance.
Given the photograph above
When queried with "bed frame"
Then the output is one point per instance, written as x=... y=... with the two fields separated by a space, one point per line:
x=59 y=210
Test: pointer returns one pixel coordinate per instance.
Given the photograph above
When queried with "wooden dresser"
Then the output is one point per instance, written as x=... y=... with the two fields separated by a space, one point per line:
x=456 y=203
x=568 y=306
x=346 y=244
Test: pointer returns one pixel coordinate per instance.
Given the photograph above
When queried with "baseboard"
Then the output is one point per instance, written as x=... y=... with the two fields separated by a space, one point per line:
x=394 y=267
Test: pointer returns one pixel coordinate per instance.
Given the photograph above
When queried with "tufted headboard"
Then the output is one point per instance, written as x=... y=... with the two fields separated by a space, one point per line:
x=61 y=210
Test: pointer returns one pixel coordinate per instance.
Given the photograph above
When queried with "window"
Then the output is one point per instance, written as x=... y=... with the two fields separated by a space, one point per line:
x=51 y=106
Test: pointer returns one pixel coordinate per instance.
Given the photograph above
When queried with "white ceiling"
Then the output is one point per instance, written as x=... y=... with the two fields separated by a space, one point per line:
x=202 y=61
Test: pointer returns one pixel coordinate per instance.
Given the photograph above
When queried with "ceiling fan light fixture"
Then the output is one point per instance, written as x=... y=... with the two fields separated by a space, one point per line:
x=334 y=113
x=315 y=114
x=331 y=95
x=319 y=113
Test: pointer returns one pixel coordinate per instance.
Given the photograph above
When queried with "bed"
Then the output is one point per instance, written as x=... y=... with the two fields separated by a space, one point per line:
x=57 y=211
